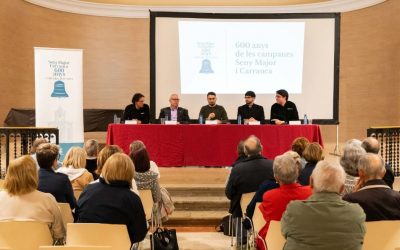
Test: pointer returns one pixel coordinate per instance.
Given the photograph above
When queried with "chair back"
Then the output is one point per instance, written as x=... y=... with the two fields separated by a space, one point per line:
x=274 y=238
x=258 y=218
x=382 y=235
x=75 y=248
x=245 y=200
x=22 y=235
x=97 y=234
x=66 y=213
x=147 y=201
x=1 y=184
x=77 y=193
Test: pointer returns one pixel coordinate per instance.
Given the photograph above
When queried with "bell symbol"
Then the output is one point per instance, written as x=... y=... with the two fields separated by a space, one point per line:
x=206 y=67
x=59 y=89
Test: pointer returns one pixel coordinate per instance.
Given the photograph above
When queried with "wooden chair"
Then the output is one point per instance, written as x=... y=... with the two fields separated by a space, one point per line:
x=147 y=201
x=75 y=248
x=22 y=235
x=66 y=213
x=382 y=235
x=77 y=193
x=1 y=184
x=258 y=219
x=274 y=238
x=245 y=200
x=97 y=234
x=396 y=184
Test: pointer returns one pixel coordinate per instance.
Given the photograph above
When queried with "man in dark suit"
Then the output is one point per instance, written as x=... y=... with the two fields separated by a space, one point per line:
x=250 y=111
x=378 y=201
x=174 y=112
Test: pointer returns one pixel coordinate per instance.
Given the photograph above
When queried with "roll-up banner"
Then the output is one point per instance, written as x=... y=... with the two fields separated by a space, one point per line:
x=58 y=94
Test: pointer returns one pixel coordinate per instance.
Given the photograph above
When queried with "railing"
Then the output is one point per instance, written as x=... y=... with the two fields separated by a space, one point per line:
x=389 y=138
x=17 y=141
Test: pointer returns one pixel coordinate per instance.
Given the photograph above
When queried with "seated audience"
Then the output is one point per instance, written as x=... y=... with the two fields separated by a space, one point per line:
x=74 y=167
x=312 y=154
x=324 y=220
x=21 y=201
x=274 y=203
x=372 y=145
x=92 y=150
x=352 y=153
x=35 y=145
x=138 y=145
x=51 y=182
x=110 y=200
x=298 y=146
x=374 y=195
x=241 y=154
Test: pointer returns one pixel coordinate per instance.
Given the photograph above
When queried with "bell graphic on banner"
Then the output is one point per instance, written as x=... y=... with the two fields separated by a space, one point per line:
x=59 y=89
x=206 y=67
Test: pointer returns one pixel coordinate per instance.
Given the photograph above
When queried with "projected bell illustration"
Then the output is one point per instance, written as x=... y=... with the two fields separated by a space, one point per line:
x=206 y=67
x=59 y=89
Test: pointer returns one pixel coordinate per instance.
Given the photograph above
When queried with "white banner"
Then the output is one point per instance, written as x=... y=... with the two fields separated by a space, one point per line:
x=59 y=98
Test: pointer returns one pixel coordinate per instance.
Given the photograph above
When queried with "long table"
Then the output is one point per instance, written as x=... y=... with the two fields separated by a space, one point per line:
x=206 y=145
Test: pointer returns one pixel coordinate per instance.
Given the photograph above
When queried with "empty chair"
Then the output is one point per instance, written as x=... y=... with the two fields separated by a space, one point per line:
x=258 y=218
x=382 y=235
x=22 y=235
x=75 y=248
x=274 y=239
x=97 y=234
x=66 y=213
x=147 y=201
x=245 y=200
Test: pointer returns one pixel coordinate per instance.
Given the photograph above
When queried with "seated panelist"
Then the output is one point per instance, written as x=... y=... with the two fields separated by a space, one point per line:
x=213 y=111
x=251 y=111
x=174 y=112
x=283 y=110
x=137 y=110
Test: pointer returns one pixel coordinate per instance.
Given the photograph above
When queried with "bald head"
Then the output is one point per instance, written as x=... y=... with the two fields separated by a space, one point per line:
x=252 y=146
x=371 y=145
x=174 y=101
x=371 y=166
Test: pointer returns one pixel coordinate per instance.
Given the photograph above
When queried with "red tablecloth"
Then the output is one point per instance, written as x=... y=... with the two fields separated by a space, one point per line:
x=206 y=145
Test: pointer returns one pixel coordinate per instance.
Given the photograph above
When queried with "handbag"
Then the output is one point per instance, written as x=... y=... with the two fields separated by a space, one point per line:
x=164 y=239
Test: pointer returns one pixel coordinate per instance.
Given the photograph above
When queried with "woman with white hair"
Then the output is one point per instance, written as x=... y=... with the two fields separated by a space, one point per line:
x=352 y=153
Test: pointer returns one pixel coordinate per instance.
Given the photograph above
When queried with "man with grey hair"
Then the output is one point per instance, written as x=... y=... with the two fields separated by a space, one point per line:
x=374 y=196
x=324 y=220
x=92 y=150
x=352 y=152
x=372 y=145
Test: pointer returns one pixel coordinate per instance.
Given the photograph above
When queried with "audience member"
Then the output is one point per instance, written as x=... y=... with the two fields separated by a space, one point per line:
x=283 y=110
x=312 y=154
x=92 y=150
x=374 y=195
x=213 y=111
x=324 y=220
x=298 y=146
x=137 y=110
x=372 y=145
x=51 y=182
x=74 y=167
x=21 y=201
x=110 y=200
x=352 y=152
x=174 y=112
x=138 y=145
x=286 y=172
x=35 y=145
x=250 y=111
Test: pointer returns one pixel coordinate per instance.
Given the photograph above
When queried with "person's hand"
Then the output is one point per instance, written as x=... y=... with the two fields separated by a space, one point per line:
x=252 y=119
x=211 y=116
x=278 y=122
x=139 y=122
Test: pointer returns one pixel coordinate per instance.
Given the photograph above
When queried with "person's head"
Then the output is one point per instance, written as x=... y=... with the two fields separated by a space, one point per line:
x=211 y=99
x=119 y=167
x=104 y=154
x=240 y=149
x=313 y=153
x=136 y=146
x=252 y=146
x=75 y=158
x=47 y=155
x=371 y=167
x=352 y=153
x=371 y=145
x=249 y=97
x=36 y=144
x=286 y=170
x=174 y=101
x=281 y=96
x=299 y=144
x=141 y=160
x=296 y=157
x=91 y=148
x=138 y=100
x=327 y=177
x=22 y=176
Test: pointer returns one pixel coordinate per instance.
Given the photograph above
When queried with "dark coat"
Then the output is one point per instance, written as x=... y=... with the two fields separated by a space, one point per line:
x=183 y=115
x=246 y=177
x=113 y=203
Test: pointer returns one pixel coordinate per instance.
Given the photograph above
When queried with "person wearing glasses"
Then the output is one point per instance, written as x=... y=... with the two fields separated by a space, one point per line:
x=137 y=110
x=283 y=110
x=251 y=111
x=174 y=112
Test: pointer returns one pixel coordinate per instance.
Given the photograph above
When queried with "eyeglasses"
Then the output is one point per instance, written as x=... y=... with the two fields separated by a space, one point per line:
x=175 y=99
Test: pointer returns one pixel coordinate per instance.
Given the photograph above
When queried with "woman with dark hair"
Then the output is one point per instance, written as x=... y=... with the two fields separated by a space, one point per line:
x=137 y=110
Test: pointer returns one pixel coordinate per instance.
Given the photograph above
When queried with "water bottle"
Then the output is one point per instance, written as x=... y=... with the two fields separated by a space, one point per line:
x=166 y=118
x=305 y=119
x=115 y=118
x=200 y=119
x=239 y=119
